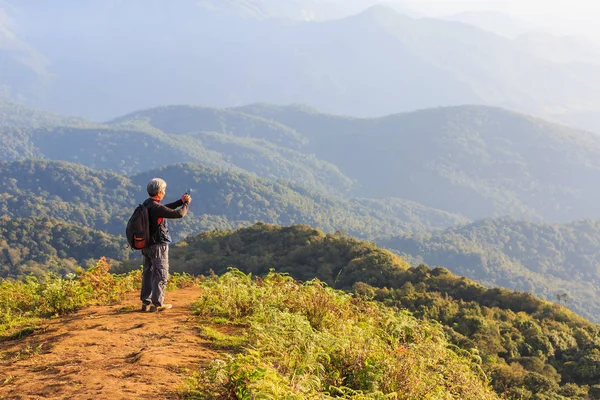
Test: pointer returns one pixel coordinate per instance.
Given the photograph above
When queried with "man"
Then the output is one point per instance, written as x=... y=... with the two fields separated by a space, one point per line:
x=156 y=255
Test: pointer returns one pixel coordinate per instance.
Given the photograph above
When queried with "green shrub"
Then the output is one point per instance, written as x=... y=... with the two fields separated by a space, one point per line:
x=23 y=303
x=309 y=341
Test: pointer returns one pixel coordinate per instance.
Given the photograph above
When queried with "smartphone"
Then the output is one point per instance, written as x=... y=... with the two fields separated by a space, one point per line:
x=188 y=192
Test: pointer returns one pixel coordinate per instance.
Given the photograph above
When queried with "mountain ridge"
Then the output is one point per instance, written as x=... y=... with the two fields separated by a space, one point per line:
x=482 y=161
x=410 y=66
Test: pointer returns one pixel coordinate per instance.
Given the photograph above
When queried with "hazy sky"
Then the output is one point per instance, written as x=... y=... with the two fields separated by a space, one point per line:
x=575 y=16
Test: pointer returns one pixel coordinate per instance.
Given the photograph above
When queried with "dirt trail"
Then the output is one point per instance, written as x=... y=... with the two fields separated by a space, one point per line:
x=109 y=352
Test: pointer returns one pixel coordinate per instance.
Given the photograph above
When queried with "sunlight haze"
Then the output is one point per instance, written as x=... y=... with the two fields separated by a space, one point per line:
x=567 y=17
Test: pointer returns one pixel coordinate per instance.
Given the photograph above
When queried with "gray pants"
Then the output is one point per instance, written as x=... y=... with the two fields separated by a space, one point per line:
x=155 y=274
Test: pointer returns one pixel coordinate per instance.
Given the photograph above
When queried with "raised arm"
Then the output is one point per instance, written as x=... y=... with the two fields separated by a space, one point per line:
x=164 y=211
x=175 y=204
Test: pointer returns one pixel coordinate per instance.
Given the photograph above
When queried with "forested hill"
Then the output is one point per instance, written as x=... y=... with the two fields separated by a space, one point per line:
x=39 y=245
x=547 y=260
x=223 y=139
x=17 y=115
x=70 y=192
x=104 y=200
x=187 y=119
x=527 y=346
x=473 y=161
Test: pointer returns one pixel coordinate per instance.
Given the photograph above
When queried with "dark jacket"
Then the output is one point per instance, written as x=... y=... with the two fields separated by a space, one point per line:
x=158 y=215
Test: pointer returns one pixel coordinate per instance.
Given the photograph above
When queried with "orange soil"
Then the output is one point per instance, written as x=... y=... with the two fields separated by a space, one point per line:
x=108 y=352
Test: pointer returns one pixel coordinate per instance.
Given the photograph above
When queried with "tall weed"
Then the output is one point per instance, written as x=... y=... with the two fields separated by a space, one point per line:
x=23 y=303
x=309 y=341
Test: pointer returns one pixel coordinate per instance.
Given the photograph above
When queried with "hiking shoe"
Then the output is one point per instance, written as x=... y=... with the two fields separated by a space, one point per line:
x=146 y=307
x=161 y=308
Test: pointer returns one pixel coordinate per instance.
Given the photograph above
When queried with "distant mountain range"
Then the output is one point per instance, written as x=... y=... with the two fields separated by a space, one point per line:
x=224 y=139
x=233 y=53
x=472 y=161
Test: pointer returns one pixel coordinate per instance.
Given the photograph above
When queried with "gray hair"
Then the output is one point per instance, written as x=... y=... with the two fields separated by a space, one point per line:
x=156 y=185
